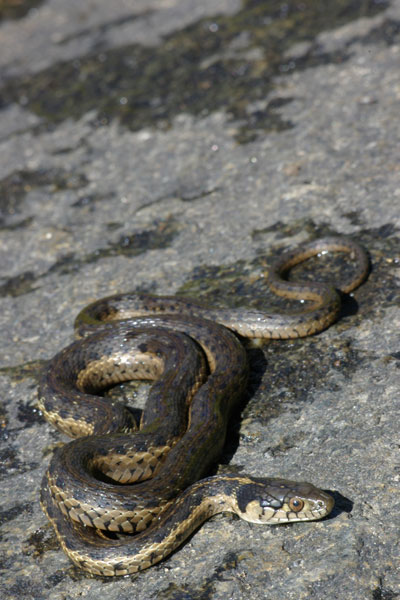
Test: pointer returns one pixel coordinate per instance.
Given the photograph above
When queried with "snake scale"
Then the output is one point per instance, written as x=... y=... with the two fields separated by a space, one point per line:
x=121 y=497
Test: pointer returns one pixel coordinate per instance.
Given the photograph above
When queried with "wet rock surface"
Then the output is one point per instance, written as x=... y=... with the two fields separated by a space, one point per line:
x=172 y=148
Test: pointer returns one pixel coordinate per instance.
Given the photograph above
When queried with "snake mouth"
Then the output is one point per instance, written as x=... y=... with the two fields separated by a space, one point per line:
x=329 y=501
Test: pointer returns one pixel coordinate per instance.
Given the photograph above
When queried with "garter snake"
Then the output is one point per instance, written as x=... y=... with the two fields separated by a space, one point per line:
x=111 y=483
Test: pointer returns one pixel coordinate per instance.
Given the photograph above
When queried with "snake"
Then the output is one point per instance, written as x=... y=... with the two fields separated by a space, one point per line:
x=122 y=495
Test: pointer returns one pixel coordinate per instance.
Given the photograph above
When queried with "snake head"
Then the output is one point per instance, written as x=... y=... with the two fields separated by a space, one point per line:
x=281 y=501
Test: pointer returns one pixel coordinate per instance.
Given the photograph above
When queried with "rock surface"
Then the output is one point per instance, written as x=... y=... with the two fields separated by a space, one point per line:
x=160 y=146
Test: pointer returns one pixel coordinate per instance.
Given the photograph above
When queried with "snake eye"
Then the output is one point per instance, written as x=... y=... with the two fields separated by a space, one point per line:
x=296 y=504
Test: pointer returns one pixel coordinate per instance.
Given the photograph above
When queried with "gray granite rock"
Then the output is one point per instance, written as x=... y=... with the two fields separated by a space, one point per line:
x=161 y=146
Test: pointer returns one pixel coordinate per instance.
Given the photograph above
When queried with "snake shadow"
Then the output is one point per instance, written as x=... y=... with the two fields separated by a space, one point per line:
x=349 y=306
x=342 y=505
x=257 y=367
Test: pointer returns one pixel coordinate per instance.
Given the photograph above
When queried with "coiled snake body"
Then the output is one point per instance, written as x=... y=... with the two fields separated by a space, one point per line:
x=111 y=483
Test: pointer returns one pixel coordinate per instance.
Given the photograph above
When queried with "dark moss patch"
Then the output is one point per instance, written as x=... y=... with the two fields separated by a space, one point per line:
x=218 y=63
x=267 y=119
x=206 y=589
x=14 y=512
x=382 y=593
x=382 y=290
x=191 y=195
x=285 y=230
x=39 y=542
x=177 y=592
x=13 y=190
x=388 y=33
x=161 y=235
x=354 y=218
x=3 y=420
x=17 y=9
x=28 y=370
x=295 y=369
x=29 y=414
x=10 y=463
x=285 y=444
x=24 y=586
x=19 y=285
x=17 y=225
x=17 y=185
x=90 y=201
x=114 y=225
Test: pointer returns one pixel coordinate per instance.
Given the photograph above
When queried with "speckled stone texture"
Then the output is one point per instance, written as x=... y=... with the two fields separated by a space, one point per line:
x=172 y=147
